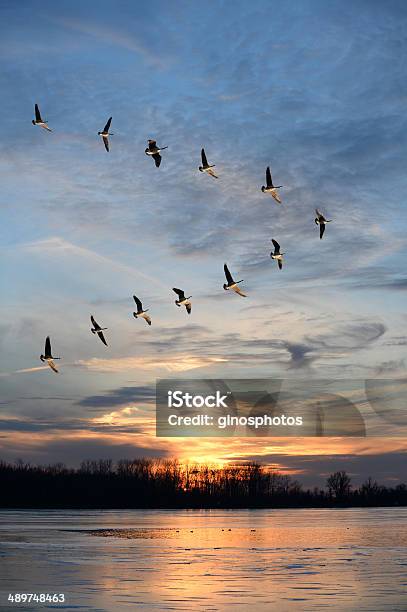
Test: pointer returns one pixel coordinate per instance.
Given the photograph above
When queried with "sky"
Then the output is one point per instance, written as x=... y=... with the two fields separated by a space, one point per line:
x=317 y=91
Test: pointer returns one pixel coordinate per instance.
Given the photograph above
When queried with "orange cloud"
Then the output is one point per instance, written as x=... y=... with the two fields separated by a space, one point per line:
x=178 y=363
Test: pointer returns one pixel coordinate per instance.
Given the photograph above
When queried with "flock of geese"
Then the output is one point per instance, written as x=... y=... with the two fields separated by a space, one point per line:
x=154 y=151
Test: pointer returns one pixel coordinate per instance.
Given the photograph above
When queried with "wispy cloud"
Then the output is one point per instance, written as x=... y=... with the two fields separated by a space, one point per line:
x=120 y=397
x=25 y=371
x=178 y=363
x=107 y=35
x=59 y=247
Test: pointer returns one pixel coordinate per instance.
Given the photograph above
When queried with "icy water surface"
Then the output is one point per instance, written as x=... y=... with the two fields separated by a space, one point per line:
x=351 y=559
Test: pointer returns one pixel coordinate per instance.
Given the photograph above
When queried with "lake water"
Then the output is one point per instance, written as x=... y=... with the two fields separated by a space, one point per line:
x=350 y=559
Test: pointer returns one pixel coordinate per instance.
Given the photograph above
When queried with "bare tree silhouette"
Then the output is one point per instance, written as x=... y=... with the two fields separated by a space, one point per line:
x=166 y=483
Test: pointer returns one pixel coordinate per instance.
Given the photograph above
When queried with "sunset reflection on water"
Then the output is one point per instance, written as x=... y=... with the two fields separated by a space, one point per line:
x=209 y=560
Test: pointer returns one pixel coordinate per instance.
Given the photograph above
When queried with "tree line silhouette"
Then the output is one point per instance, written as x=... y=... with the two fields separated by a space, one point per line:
x=166 y=483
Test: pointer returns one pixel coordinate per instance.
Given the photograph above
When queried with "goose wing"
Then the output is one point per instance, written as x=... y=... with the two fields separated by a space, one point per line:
x=211 y=172
x=204 y=160
x=188 y=307
x=95 y=325
x=52 y=365
x=106 y=142
x=152 y=144
x=228 y=275
x=321 y=230
x=37 y=114
x=179 y=292
x=269 y=182
x=101 y=336
x=276 y=246
x=276 y=196
x=157 y=158
x=147 y=318
x=138 y=303
x=239 y=291
x=47 y=352
x=280 y=264
x=107 y=126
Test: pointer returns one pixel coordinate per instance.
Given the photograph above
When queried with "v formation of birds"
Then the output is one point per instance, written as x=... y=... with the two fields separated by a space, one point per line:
x=154 y=151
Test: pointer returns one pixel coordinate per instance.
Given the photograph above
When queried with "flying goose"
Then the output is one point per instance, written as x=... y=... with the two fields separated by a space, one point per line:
x=270 y=188
x=48 y=355
x=231 y=284
x=205 y=166
x=96 y=329
x=321 y=221
x=154 y=151
x=277 y=255
x=39 y=121
x=105 y=134
x=182 y=300
x=140 y=312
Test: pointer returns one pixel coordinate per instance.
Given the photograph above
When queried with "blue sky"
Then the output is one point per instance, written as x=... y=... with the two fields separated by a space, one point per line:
x=317 y=90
